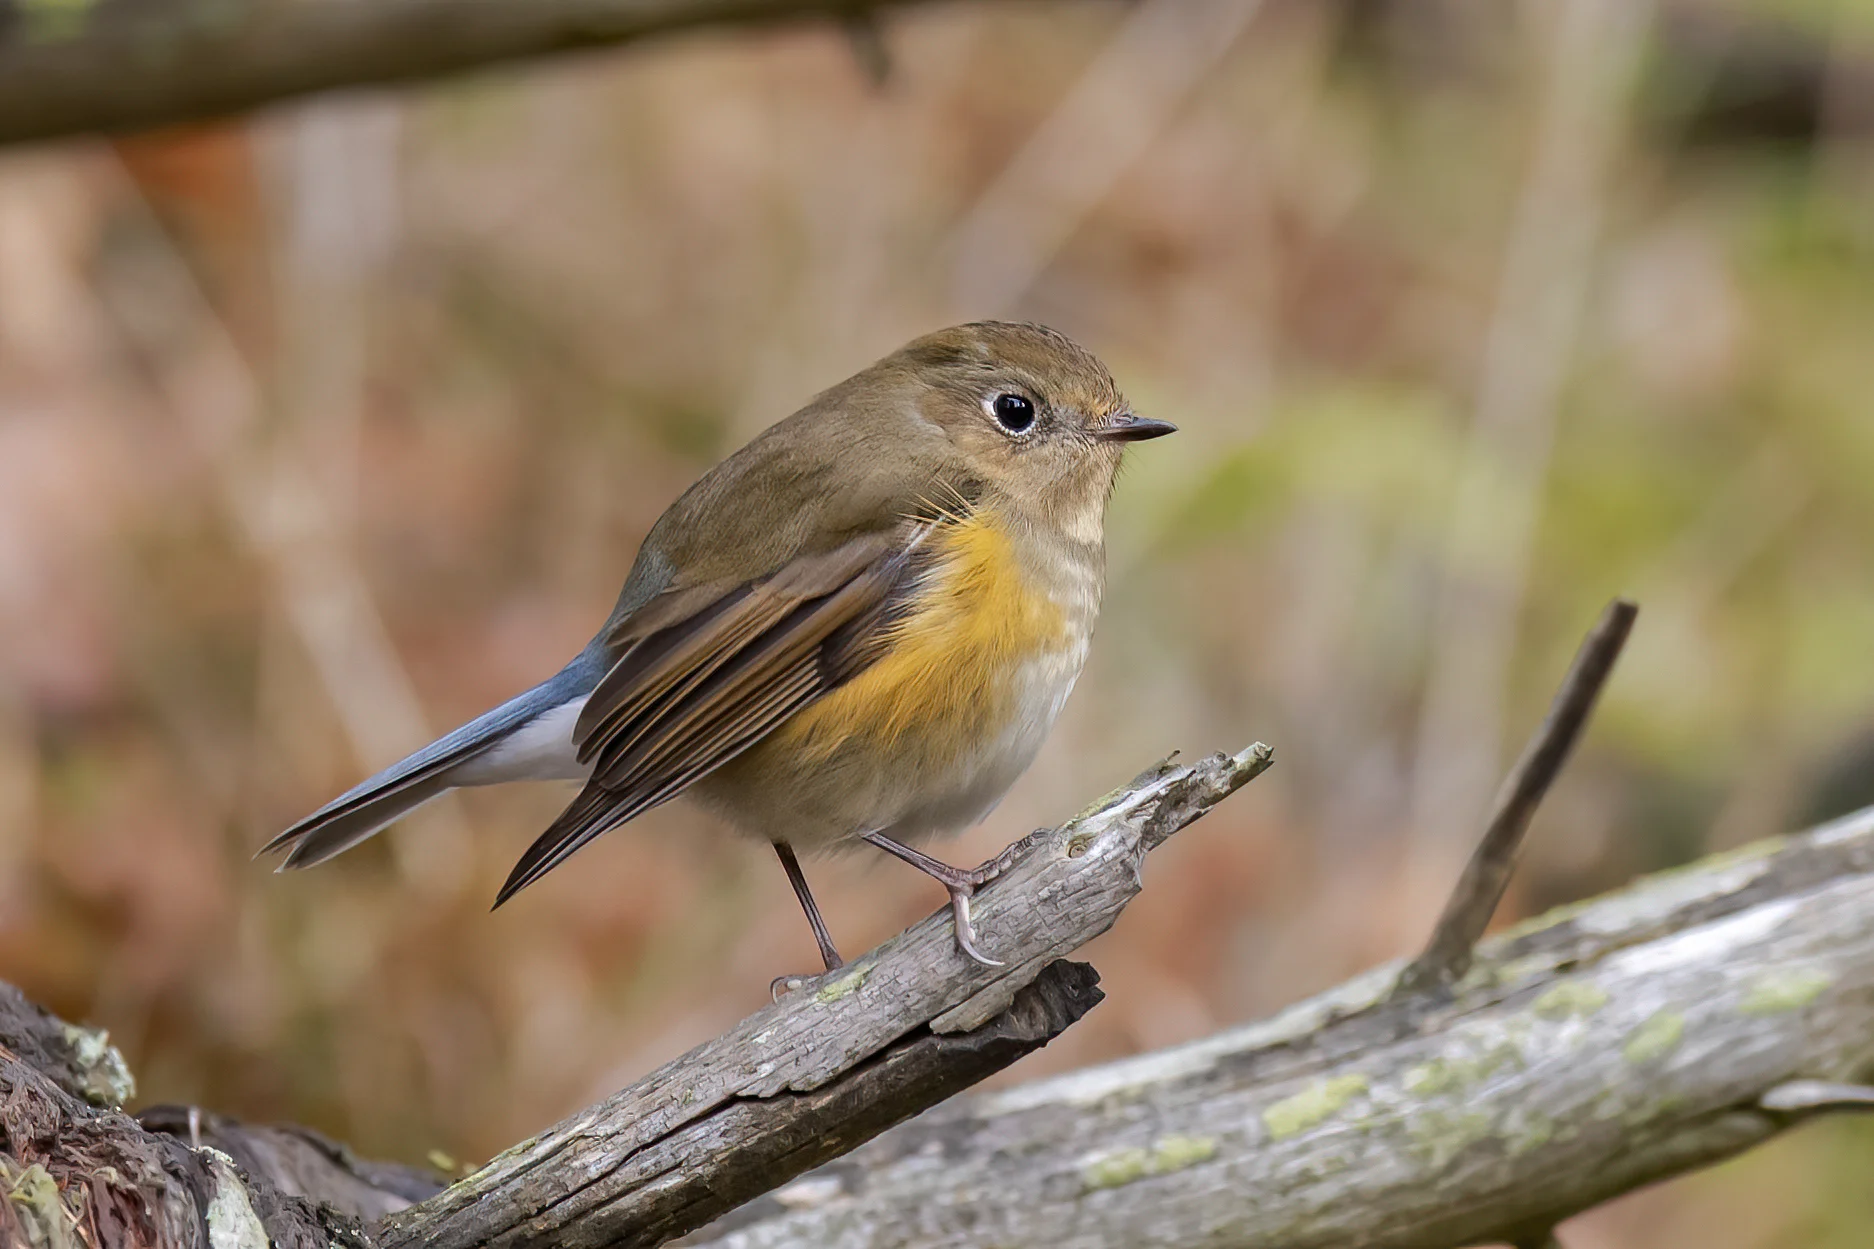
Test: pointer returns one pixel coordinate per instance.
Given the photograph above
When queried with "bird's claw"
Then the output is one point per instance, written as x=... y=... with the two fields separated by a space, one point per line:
x=966 y=931
x=781 y=986
x=961 y=884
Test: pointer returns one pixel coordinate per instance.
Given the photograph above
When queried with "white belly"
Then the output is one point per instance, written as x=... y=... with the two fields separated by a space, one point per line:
x=540 y=750
x=968 y=790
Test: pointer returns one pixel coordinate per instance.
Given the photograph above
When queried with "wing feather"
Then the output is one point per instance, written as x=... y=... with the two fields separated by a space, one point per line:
x=691 y=695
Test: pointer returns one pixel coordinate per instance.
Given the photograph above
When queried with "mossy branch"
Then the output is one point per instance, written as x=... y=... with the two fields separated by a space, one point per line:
x=1595 y=1050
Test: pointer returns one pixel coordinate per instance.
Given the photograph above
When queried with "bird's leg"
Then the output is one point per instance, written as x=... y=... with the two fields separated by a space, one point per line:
x=795 y=877
x=962 y=884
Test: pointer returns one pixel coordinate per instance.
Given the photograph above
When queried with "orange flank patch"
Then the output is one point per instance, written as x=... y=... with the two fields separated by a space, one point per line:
x=948 y=673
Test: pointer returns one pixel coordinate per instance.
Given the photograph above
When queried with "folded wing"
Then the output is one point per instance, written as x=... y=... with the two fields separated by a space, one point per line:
x=705 y=672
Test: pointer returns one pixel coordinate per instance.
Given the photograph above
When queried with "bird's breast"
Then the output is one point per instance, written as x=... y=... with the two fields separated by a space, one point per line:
x=926 y=739
x=990 y=643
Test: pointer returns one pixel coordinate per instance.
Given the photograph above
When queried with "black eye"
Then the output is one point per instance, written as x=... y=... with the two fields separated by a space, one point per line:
x=1013 y=413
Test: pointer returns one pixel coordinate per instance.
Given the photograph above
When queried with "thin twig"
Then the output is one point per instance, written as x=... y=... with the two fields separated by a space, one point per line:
x=1447 y=956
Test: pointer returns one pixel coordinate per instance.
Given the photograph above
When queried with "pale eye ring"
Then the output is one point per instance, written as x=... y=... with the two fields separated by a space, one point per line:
x=1014 y=413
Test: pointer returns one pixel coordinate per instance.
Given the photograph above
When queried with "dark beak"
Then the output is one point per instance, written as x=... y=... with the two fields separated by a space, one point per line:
x=1130 y=428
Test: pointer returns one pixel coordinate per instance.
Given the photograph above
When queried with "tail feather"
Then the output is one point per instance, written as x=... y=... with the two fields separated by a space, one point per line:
x=320 y=836
x=590 y=814
x=384 y=799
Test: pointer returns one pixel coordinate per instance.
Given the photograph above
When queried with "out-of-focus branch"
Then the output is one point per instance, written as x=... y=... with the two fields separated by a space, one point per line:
x=835 y=1063
x=73 y=68
x=1604 y=1047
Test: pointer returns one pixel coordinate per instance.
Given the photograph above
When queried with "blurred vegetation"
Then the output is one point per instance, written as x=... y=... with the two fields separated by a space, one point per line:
x=322 y=433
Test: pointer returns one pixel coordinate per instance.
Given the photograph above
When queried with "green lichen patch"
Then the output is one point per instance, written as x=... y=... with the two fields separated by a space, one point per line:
x=1554 y=917
x=1441 y=1135
x=846 y=985
x=1785 y=991
x=1659 y=892
x=1655 y=1038
x=1570 y=999
x=37 y=1206
x=1167 y=1154
x=1444 y=1075
x=1174 y=1153
x=1535 y=1131
x=1430 y=1079
x=232 y=1223
x=108 y=1081
x=1122 y=1167
x=1312 y=1106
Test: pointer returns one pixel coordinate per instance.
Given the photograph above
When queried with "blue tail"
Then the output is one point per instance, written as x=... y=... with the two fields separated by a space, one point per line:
x=372 y=805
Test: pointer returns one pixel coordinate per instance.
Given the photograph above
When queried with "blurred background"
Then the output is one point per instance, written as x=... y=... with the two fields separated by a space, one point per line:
x=323 y=432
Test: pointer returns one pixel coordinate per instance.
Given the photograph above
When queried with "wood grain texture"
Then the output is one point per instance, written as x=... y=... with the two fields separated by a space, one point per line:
x=1601 y=1048
x=111 y=65
x=879 y=1036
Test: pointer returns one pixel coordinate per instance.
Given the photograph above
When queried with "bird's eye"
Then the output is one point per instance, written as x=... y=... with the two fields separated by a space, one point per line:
x=1014 y=413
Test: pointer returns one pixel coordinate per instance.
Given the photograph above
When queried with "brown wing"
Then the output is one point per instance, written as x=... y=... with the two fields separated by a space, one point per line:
x=686 y=695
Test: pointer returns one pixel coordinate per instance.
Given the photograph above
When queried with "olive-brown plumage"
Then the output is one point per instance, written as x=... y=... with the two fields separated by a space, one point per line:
x=860 y=626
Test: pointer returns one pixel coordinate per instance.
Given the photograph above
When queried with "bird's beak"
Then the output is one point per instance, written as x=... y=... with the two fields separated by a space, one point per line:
x=1130 y=428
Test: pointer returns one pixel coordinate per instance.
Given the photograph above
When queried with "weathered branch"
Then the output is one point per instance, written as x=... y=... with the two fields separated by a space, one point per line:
x=834 y=1063
x=74 y=1169
x=1605 y=1046
x=1447 y=956
x=80 y=1062
x=127 y=64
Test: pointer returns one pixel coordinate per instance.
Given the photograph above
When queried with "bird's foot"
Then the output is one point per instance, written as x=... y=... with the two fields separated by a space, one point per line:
x=960 y=883
x=781 y=986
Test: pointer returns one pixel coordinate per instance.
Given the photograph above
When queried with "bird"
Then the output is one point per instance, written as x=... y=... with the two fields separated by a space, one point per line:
x=858 y=628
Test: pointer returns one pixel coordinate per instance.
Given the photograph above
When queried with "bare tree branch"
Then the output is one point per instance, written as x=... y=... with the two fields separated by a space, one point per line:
x=826 y=1068
x=122 y=64
x=1604 y=1047
x=835 y=1063
x=1600 y=1048
x=74 y=1169
x=1447 y=956
x=78 y=1061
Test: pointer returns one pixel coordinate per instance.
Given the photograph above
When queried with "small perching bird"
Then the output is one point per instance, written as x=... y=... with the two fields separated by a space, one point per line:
x=860 y=626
